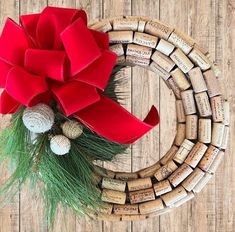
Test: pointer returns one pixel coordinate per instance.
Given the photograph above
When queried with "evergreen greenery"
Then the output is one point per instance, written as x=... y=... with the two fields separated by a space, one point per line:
x=64 y=180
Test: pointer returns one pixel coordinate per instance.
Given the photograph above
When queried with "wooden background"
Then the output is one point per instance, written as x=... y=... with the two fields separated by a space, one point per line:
x=212 y=23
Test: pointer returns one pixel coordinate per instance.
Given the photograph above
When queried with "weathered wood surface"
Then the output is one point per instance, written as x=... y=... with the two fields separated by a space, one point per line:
x=211 y=23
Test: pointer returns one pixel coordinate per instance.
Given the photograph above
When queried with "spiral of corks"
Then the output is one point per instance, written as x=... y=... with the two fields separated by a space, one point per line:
x=202 y=120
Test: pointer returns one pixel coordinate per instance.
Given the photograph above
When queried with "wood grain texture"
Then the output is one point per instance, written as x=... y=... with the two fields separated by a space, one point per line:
x=211 y=23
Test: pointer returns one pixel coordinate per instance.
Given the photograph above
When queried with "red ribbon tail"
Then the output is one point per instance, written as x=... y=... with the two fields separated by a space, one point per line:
x=112 y=121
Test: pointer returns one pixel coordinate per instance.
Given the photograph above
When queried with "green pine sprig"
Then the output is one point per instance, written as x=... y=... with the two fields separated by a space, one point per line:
x=68 y=181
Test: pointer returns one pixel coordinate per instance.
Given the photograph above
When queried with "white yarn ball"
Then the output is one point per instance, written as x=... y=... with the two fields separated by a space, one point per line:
x=60 y=145
x=72 y=129
x=39 y=118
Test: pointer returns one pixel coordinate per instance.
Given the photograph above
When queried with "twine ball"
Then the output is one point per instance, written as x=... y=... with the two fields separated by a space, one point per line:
x=72 y=129
x=60 y=145
x=39 y=118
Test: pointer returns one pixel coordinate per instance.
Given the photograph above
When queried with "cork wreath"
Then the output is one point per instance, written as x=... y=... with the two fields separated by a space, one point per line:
x=202 y=119
x=59 y=84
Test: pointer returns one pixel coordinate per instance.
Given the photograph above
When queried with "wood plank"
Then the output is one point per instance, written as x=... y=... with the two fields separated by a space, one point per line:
x=31 y=206
x=202 y=21
x=94 y=11
x=145 y=93
x=9 y=215
x=116 y=8
x=211 y=22
x=176 y=14
x=224 y=56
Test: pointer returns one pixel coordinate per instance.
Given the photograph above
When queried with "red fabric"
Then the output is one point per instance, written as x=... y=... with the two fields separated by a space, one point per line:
x=53 y=64
x=54 y=55
x=116 y=122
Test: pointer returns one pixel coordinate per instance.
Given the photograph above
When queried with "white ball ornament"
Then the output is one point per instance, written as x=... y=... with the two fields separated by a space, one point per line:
x=72 y=129
x=39 y=118
x=60 y=145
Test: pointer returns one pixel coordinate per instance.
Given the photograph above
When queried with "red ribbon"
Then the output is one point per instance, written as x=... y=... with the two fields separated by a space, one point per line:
x=55 y=55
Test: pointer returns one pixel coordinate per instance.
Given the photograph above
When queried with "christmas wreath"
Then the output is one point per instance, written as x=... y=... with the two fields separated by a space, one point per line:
x=59 y=83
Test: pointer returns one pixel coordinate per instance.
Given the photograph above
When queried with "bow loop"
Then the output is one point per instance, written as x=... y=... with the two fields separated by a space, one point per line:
x=25 y=87
x=50 y=63
x=13 y=43
x=74 y=96
x=55 y=56
x=78 y=38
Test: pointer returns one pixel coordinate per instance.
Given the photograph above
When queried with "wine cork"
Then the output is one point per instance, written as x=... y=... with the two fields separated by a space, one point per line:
x=103 y=26
x=162 y=187
x=189 y=196
x=196 y=154
x=181 y=60
x=120 y=37
x=169 y=155
x=163 y=61
x=183 y=151
x=120 y=60
x=117 y=48
x=191 y=126
x=188 y=102
x=112 y=196
x=215 y=164
x=138 y=51
x=225 y=138
x=226 y=113
x=180 y=79
x=217 y=134
x=204 y=130
x=149 y=171
x=138 y=184
x=125 y=176
x=179 y=41
x=145 y=39
x=208 y=158
x=114 y=184
x=106 y=208
x=136 y=217
x=128 y=209
x=180 y=111
x=165 y=171
x=159 y=71
x=142 y=196
x=199 y=59
x=174 y=196
x=217 y=105
x=212 y=83
x=137 y=17
x=171 y=83
x=180 y=174
x=111 y=19
x=158 y=29
x=180 y=134
x=151 y=206
x=141 y=26
x=202 y=183
x=197 y=80
x=125 y=24
x=165 y=47
x=132 y=60
x=203 y=104
x=191 y=181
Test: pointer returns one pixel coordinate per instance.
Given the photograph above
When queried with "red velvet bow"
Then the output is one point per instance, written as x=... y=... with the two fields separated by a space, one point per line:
x=54 y=55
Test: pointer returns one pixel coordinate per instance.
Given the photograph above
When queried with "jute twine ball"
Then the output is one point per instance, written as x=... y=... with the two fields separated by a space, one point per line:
x=39 y=118
x=72 y=129
x=60 y=145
